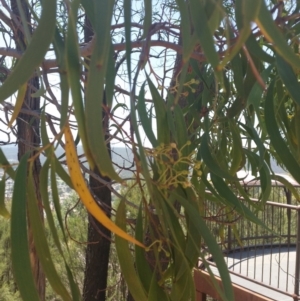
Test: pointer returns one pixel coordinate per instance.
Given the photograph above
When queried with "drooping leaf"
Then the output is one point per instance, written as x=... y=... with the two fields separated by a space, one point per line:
x=276 y=138
x=163 y=136
x=211 y=162
x=41 y=244
x=202 y=28
x=73 y=68
x=19 y=103
x=6 y=165
x=95 y=90
x=44 y=175
x=274 y=36
x=34 y=53
x=230 y=199
x=288 y=78
x=147 y=18
x=145 y=120
x=185 y=28
x=212 y=245
x=3 y=211
x=125 y=258
x=59 y=48
x=19 y=238
x=84 y=192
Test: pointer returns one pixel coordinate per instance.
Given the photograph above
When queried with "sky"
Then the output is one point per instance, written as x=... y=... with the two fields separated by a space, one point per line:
x=120 y=112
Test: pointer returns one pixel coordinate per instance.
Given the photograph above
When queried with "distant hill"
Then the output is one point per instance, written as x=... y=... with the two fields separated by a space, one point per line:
x=121 y=156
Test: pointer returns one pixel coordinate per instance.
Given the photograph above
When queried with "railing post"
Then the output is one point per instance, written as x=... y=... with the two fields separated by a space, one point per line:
x=288 y=195
x=297 y=268
x=229 y=238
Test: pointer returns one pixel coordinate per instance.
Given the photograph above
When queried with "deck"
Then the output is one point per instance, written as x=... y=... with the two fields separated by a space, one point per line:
x=262 y=264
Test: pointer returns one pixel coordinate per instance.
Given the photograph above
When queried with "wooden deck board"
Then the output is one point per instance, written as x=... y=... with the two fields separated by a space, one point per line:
x=204 y=286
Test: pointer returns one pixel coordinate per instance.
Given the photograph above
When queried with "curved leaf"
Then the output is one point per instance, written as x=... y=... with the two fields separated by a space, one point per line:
x=41 y=244
x=272 y=33
x=210 y=162
x=277 y=141
x=34 y=53
x=19 y=238
x=3 y=211
x=288 y=78
x=84 y=193
x=125 y=258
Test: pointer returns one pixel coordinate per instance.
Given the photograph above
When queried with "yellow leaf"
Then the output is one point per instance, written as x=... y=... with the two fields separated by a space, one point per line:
x=84 y=192
x=19 y=103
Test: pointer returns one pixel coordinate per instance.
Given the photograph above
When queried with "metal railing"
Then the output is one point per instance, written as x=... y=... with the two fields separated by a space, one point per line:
x=268 y=254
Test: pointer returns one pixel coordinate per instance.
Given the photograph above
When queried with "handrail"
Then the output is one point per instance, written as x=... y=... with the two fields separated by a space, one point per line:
x=284 y=220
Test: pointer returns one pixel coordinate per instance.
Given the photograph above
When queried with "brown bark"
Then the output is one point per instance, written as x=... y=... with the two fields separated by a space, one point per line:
x=28 y=140
x=97 y=252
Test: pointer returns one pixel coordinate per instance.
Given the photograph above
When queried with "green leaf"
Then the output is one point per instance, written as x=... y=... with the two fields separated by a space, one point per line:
x=246 y=12
x=216 y=14
x=181 y=131
x=110 y=79
x=95 y=91
x=212 y=245
x=73 y=285
x=276 y=139
x=59 y=48
x=238 y=74
x=258 y=51
x=156 y=292
x=19 y=103
x=44 y=135
x=288 y=185
x=34 y=53
x=125 y=258
x=258 y=141
x=273 y=34
x=3 y=211
x=44 y=174
x=61 y=172
x=288 y=78
x=144 y=119
x=74 y=77
x=6 y=165
x=163 y=135
x=56 y=202
x=227 y=197
x=41 y=244
x=90 y=11
x=255 y=95
x=148 y=17
x=19 y=238
x=142 y=157
x=200 y=22
x=141 y=263
x=265 y=178
x=210 y=162
x=185 y=29
x=237 y=149
x=127 y=19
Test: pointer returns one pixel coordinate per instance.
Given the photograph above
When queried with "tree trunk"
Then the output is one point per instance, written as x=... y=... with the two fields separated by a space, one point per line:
x=28 y=140
x=97 y=252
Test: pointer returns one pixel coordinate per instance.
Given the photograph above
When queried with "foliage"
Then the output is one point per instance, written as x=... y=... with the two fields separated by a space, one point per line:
x=75 y=249
x=232 y=103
